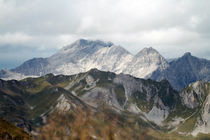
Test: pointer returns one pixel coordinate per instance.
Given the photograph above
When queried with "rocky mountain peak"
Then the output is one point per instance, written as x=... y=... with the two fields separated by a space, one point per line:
x=83 y=43
x=187 y=54
x=147 y=51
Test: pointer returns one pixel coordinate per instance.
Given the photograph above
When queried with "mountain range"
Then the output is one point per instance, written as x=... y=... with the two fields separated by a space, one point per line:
x=92 y=89
x=149 y=109
x=83 y=55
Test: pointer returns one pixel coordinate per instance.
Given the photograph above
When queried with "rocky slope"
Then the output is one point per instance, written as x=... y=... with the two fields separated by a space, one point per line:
x=154 y=105
x=9 y=131
x=197 y=97
x=145 y=63
x=26 y=103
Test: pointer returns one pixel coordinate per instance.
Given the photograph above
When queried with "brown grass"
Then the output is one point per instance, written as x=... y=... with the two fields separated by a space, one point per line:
x=10 y=132
x=85 y=125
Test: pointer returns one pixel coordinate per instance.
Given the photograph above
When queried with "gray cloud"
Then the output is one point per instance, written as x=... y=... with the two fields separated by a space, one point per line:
x=172 y=27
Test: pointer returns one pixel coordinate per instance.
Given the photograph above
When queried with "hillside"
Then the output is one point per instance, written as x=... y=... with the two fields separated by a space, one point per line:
x=153 y=106
x=10 y=132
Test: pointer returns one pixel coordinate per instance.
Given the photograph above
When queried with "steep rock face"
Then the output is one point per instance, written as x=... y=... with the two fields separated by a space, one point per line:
x=184 y=70
x=114 y=58
x=194 y=94
x=203 y=122
x=160 y=94
x=197 y=96
x=153 y=100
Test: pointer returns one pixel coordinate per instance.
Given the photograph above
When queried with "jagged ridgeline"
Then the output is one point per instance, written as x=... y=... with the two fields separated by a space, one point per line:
x=88 y=105
x=83 y=55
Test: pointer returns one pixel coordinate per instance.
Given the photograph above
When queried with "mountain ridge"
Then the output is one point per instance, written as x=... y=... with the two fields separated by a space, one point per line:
x=83 y=55
x=154 y=105
x=184 y=70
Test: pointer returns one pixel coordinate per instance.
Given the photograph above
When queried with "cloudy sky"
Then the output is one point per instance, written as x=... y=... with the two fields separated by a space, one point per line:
x=38 y=28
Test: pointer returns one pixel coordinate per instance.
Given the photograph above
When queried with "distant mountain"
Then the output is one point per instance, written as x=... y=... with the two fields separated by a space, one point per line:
x=83 y=55
x=34 y=67
x=184 y=70
x=145 y=63
x=137 y=103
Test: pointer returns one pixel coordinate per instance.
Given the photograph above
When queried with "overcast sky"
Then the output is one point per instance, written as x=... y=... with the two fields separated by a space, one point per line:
x=38 y=28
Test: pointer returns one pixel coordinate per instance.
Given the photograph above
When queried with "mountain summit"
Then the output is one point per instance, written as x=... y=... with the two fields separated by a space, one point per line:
x=187 y=54
x=82 y=43
x=145 y=63
x=147 y=51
